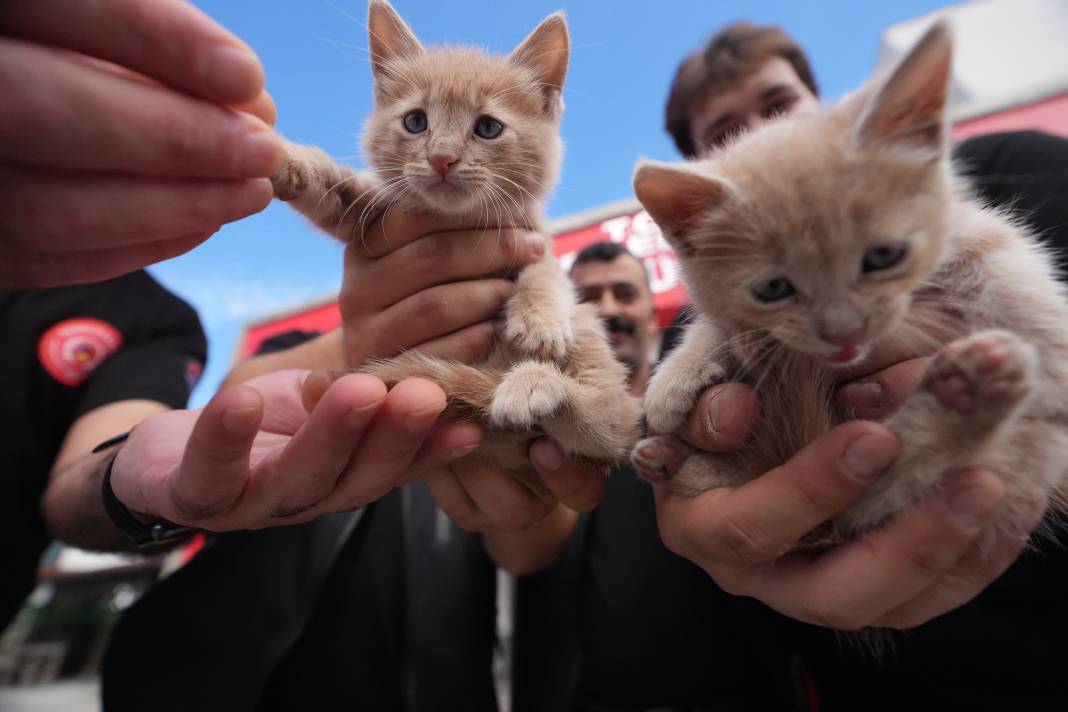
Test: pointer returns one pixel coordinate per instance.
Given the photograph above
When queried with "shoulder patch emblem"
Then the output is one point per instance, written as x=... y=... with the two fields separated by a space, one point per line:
x=72 y=349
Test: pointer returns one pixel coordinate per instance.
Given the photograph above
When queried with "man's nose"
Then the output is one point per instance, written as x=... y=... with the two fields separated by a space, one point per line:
x=607 y=305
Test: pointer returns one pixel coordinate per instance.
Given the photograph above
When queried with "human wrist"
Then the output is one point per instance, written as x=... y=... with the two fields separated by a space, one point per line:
x=139 y=528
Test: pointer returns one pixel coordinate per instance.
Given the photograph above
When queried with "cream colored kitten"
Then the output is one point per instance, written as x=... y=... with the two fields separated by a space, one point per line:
x=463 y=133
x=810 y=241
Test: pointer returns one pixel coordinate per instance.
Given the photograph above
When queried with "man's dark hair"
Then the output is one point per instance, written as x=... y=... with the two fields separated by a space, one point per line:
x=607 y=252
x=600 y=252
x=731 y=55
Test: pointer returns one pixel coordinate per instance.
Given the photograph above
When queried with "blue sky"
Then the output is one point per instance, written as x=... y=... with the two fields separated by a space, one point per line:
x=623 y=56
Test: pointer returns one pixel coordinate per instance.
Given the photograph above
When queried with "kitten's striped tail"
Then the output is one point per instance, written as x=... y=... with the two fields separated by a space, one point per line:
x=467 y=388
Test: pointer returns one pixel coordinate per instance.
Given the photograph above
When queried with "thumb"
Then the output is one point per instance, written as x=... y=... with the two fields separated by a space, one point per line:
x=215 y=464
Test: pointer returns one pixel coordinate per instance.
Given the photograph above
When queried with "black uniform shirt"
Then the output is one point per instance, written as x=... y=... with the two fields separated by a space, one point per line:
x=66 y=351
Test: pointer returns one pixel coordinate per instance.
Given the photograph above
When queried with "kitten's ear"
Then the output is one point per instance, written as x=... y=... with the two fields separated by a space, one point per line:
x=390 y=37
x=676 y=196
x=546 y=51
x=909 y=109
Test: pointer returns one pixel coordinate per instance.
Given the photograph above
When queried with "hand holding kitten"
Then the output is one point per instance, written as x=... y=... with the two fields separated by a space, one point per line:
x=921 y=566
x=112 y=157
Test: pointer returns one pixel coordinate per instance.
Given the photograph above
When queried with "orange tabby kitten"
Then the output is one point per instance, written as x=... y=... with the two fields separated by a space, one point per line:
x=808 y=242
x=462 y=133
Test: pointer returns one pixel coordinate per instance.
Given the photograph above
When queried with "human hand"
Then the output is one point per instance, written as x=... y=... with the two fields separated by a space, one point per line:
x=482 y=498
x=524 y=526
x=445 y=283
x=256 y=457
x=921 y=565
x=117 y=146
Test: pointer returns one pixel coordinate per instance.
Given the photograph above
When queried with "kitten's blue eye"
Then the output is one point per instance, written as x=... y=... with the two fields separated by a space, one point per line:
x=884 y=257
x=487 y=127
x=415 y=121
x=773 y=290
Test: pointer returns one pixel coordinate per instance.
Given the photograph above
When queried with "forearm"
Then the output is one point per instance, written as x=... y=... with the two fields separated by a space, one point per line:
x=535 y=548
x=322 y=352
x=73 y=505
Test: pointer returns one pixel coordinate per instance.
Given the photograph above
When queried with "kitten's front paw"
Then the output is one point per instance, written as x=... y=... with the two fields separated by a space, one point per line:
x=672 y=394
x=657 y=458
x=288 y=181
x=542 y=338
x=526 y=395
x=989 y=370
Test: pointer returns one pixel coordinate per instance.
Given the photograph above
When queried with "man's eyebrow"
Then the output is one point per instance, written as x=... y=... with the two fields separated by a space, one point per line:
x=777 y=89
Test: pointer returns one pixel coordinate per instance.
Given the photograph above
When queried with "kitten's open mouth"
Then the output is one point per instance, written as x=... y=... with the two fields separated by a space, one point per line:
x=845 y=356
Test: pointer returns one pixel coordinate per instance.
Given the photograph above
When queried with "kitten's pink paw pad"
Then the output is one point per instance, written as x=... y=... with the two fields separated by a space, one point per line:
x=526 y=397
x=993 y=367
x=656 y=459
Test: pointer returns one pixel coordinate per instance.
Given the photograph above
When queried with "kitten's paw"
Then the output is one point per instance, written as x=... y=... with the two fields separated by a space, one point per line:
x=545 y=339
x=527 y=395
x=658 y=458
x=988 y=369
x=288 y=181
x=672 y=394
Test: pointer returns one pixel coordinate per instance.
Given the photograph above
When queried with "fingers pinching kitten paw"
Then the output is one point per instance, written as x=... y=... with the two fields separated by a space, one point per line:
x=988 y=369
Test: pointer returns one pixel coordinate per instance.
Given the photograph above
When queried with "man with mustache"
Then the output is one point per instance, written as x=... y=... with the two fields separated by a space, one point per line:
x=614 y=280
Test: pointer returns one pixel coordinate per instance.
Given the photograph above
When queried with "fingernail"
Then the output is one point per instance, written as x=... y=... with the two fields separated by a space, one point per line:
x=462 y=451
x=241 y=421
x=970 y=503
x=419 y=423
x=869 y=454
x=536 y=243
x=546 y=456
x=358 y=416
x=261 y=153
x=722 y=408
x=234 y=74
x=864 y=396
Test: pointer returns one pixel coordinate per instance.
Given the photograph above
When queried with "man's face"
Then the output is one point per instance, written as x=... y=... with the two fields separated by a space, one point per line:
x=619 y=291
x=771 y=91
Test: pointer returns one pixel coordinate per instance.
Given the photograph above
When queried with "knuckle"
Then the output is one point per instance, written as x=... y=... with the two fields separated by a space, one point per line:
x=434 y=308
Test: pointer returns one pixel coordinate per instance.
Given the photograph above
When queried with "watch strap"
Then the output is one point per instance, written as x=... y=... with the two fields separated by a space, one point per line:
x=141 y=534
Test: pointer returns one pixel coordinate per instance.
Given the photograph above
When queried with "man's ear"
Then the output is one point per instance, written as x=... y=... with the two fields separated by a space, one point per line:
x=676 y=197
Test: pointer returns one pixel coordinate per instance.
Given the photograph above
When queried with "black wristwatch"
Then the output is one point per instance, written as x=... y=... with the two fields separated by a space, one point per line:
x=143 y=535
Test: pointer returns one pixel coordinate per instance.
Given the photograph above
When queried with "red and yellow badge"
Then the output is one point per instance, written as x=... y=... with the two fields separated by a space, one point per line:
x=73 y=348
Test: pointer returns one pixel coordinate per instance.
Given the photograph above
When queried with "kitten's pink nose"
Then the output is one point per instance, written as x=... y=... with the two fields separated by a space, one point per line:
x=842 y=338
x=442 y=163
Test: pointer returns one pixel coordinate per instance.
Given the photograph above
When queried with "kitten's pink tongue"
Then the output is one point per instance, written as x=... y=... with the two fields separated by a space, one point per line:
x=844 y=355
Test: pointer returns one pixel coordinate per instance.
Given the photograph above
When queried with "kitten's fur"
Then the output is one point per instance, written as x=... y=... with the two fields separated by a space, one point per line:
x=553 y=372
x=805 y=199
